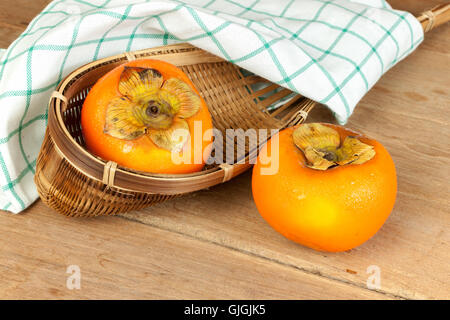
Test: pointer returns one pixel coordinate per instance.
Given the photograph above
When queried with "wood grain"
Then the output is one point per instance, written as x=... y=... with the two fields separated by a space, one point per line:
x=214 y=244
x=121 y=259
x=15 y=17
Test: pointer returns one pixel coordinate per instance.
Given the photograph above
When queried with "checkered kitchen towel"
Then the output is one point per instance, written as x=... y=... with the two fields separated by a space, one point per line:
x=330 y=51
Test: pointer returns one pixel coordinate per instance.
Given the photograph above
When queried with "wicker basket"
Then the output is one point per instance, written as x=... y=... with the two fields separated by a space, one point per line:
x=76 y=183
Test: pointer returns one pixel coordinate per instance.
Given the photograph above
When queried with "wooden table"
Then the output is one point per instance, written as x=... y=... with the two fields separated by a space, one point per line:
x=214 y=244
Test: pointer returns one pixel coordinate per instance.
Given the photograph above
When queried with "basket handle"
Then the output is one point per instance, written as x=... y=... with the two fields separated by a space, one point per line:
x=435 y=17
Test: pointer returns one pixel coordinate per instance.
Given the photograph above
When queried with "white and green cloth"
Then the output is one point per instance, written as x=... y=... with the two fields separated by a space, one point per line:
x=330 y=51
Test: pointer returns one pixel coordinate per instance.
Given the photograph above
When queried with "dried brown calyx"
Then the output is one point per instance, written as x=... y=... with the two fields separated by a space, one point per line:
x=322 y=147
x=153 y=107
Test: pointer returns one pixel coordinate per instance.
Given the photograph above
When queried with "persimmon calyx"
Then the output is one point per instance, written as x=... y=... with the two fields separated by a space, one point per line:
x=153 y=107
x=322 y=147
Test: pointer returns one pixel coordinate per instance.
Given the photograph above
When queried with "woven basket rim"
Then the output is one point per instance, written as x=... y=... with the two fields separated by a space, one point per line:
x=90 y=165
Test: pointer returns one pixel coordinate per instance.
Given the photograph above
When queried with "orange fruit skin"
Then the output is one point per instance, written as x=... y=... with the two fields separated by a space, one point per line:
x=333 y=210
x=140 y=154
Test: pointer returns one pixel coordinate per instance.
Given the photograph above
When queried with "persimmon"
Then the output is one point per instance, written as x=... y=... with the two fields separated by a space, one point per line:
x=141 y=112
x=333 y=190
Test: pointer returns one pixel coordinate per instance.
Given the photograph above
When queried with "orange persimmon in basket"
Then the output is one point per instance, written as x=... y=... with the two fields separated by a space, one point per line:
x=333 y=189
x=142 y=113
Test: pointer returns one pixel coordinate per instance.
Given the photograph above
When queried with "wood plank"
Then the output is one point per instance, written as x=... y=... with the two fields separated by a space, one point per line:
x=415 y=6
x=21 y=12
x=412 y=249
x=8 y=33
x=121 y=259
x=223 y=249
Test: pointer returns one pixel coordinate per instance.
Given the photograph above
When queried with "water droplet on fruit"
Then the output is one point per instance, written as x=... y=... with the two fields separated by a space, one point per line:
x=127 y=148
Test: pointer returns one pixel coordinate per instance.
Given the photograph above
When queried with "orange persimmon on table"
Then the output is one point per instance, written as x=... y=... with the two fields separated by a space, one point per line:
x=141 y=113
x=333 y=190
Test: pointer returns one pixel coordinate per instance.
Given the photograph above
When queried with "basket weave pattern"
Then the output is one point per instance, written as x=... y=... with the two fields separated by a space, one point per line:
x=69 y=178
